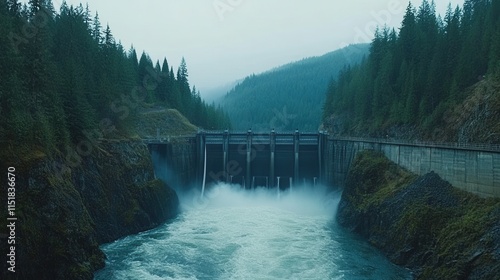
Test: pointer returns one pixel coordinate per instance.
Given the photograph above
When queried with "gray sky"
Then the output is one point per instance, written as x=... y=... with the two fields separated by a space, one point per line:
x=226 y=40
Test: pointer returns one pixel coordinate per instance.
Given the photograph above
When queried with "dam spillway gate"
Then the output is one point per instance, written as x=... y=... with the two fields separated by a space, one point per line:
x=262 y=159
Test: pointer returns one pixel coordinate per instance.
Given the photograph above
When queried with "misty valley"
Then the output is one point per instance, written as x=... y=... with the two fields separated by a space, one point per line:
x=232 y=233
x=371 y=159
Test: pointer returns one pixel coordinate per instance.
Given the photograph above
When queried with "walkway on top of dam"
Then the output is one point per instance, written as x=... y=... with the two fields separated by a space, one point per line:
x=241 y=138
x=281 y=138
x=309 y=138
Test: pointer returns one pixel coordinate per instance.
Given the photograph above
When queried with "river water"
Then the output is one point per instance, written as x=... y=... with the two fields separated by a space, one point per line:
x=236 y=234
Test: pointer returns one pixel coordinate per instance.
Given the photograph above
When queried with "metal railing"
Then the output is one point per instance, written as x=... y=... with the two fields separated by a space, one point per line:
x=217 y=137
x=445 y=145
x=169 y=139
x=311 y=139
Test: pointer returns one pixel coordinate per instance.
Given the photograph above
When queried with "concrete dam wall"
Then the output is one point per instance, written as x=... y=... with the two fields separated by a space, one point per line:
x=249 y=159
x=262 y=159
x=253 y=159
x=473 y=169
x=175 y=163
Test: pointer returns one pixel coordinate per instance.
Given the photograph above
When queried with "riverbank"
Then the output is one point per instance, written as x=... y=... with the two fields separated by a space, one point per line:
x=234 y=233
x=422 y=223
x=64 y=214
x=70 y=202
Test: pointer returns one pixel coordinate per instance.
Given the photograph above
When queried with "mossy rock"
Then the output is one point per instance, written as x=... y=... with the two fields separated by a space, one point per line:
x=373 y=178
x=423 y=222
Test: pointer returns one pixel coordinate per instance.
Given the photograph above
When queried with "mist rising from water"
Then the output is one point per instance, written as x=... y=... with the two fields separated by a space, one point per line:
x=303 y=200
x=233 y=233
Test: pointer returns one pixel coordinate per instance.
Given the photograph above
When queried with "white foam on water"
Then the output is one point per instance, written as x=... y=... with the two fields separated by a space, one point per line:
x=231 y=233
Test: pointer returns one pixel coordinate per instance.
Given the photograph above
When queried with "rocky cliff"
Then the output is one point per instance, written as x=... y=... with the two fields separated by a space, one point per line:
x=64 y=216
x=422 y=223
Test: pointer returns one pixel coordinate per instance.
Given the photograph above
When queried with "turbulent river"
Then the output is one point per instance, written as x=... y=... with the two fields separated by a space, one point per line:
x=236 y=234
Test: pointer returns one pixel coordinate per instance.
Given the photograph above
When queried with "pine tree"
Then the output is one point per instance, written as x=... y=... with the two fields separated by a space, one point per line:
x=97 y=29
x=164 y=87
x=175 y=92
x=184 y=88
x=494 y=56
x=145 y=78
x=88 y=17
x=133 y=63
x=408 y=35
x=15 y=122
x=109 y=40
x=182 y=72
x=58 y=83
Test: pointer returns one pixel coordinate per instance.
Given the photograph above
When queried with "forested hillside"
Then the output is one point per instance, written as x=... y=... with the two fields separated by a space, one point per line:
x=415 y=79
x=290 y=96
x=64 y=74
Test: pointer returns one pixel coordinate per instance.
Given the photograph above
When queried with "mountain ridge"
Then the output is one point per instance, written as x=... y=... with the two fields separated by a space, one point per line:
x=290 y=96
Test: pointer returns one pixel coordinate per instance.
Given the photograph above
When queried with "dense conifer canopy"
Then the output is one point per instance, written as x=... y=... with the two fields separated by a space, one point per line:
x=412 y=76
x=63 y=74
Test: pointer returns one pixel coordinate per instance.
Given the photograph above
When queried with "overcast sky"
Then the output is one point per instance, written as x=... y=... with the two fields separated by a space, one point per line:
x=226 y=40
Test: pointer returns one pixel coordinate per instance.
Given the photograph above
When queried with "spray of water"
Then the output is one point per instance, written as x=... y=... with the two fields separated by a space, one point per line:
x=233 y=233
x=304 y=200
x=279 y=191
x=204 y=173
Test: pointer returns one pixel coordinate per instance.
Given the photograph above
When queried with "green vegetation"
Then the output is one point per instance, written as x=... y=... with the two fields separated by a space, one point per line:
x=465 y=237
x=64 y=217
x=412 y=78
x=169 y=122
x=56 y=232
x=290 y=96
x=64 y=81
x=423 y=223
x=382 y=179
x=63 y=74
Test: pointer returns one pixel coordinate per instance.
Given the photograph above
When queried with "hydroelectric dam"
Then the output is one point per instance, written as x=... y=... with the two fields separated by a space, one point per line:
x=262 y=159
x=242 y=230
x=272 y=159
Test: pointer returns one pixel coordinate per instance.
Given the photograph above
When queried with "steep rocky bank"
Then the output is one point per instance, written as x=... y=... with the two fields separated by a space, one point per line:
x=422 y=223
x=119 y=190
x=63 y=217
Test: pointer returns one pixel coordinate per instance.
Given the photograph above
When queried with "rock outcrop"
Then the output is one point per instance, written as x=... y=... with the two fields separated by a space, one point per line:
x=64 y=217
x=423 y=223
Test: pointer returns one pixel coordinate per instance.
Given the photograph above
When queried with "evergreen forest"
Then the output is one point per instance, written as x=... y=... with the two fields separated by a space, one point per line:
x=63 y=74
x=414 y=75
x=288 y=97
